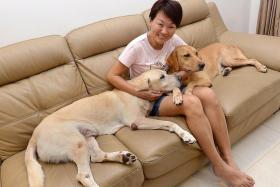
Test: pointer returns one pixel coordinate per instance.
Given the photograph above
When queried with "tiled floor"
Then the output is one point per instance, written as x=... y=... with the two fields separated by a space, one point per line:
x=266 y=169
x=251 y=155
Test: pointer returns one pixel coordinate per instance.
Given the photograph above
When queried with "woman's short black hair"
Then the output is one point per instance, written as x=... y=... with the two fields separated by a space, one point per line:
x=171 y=9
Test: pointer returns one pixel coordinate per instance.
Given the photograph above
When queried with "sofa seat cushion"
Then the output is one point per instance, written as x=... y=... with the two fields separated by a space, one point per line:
x=159 y=151
x=13 y=170
x=244 y=91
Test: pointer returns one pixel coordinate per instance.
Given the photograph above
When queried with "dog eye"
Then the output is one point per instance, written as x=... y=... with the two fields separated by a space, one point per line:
x=162 y=76
x=187 y=55
x=196 y=53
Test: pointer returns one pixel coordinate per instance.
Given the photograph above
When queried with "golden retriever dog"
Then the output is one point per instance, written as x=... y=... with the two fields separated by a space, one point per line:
x=69 y=133
x=214 y=59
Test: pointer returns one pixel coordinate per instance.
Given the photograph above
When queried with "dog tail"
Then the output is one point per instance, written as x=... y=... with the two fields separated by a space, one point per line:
x=34 y=169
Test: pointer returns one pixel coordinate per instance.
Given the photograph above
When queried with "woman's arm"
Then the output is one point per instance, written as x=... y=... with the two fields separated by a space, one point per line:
x=114 y=77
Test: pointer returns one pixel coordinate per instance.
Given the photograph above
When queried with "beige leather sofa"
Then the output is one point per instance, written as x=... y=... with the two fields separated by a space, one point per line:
x=41 y=75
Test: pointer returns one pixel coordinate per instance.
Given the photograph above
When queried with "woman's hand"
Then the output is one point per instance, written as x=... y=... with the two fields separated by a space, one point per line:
x=150 y=95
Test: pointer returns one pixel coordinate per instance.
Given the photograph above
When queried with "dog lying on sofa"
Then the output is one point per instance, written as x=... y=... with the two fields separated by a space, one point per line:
x=208 y=62
x=69 y=133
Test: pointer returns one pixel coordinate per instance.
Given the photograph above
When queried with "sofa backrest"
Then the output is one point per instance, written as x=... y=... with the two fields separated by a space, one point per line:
x=37 y=77
x=96 y=47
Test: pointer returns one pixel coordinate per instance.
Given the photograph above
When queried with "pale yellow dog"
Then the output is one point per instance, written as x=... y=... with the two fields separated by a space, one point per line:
x=69 y=133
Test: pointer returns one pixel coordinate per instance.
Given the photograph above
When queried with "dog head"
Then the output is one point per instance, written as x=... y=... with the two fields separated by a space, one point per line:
x=184 y=58
x=156 y=79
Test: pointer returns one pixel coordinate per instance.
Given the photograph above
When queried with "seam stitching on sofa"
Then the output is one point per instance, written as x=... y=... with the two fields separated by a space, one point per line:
x=163 y=157
x=88 y=69
x=277 y=95
x=102 y=89
x=80 y=73
x=201 y=156
x=129 y=174
x=42 y=111
x=230 y=130
x=76 y=64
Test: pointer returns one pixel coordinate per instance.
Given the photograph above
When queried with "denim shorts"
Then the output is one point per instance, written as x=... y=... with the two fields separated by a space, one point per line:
x=155 y=109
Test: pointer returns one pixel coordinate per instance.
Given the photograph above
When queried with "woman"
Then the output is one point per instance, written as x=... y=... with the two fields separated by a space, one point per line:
x=204 y=115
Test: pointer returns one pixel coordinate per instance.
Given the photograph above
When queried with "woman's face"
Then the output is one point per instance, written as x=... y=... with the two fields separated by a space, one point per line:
x=161 y=30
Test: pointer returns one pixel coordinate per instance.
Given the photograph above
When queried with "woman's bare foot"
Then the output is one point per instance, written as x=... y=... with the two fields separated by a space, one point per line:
x=233 y=176
x=230 y=162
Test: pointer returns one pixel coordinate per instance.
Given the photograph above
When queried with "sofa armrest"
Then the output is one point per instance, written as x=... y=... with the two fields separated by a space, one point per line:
x=264 y=48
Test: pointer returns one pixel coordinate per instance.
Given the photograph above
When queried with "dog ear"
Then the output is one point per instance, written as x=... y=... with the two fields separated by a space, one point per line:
x=172 y=62
x=143 y=84
x=195 y=50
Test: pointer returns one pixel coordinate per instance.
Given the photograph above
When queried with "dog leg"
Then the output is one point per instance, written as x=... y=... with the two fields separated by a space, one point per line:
x=260 y=67
x=234 y=57
x=177 y=96
x=189 y=88
x=97 y=155
x=226 y=71
x=148 y=123
x=230 y=62
x=193 y=84
x=81 y=157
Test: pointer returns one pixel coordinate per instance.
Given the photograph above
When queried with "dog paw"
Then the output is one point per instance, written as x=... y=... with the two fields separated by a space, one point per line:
x=127 y=157
x=177 y=99
x=226 y=71
x=262 y=69
x=188 y=138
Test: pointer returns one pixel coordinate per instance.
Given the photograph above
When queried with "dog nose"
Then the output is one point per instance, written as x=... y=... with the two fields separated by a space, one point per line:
x=201 y=66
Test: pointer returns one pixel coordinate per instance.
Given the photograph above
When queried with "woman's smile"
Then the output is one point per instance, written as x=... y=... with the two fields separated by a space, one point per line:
x=161 y=30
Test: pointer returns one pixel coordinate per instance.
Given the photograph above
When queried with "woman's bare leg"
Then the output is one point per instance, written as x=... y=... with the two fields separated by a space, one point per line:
x=200 y=127
x=215 y=115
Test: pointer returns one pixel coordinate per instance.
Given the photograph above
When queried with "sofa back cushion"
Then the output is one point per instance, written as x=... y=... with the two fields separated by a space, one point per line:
x=196 y=27
x=97 y=46
x=37 y=77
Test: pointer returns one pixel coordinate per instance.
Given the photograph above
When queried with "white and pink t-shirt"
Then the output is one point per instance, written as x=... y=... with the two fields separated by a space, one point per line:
x=139 y=55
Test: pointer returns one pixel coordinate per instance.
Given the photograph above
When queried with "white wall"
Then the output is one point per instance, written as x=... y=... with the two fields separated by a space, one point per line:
x=255 y=4
x=239 y=15
x=25 y=19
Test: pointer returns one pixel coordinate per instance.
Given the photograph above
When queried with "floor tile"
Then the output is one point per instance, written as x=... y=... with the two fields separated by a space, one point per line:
x=265 y=170
x=274 y=122
x=254 y=144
